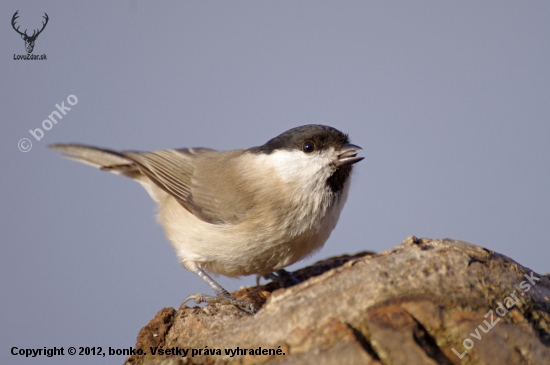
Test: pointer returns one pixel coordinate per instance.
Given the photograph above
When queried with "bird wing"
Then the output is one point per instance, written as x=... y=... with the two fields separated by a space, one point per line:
x=186 y=174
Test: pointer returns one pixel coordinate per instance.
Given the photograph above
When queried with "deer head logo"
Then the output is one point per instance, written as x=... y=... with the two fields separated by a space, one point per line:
x=29 y=40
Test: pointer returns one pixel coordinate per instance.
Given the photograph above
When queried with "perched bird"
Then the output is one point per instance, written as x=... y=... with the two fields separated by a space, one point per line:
x=241 y=212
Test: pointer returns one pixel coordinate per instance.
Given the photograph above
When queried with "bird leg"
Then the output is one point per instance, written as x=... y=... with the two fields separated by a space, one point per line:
x=222 y=295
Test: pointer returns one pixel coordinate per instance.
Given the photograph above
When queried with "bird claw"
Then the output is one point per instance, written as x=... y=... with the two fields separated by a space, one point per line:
x=282 y=277
x=210 y=299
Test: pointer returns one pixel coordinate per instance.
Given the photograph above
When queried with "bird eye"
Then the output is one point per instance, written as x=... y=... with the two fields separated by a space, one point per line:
x=308 y=147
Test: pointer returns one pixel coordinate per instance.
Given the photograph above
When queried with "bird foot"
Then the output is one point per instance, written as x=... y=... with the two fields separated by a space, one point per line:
x=284 y=278
x=210 y=299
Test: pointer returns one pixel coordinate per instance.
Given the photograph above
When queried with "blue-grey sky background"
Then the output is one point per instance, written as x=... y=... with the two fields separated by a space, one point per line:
x=450 y=101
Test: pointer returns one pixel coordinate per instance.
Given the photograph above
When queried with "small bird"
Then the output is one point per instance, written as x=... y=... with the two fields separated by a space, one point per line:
x=245 y=211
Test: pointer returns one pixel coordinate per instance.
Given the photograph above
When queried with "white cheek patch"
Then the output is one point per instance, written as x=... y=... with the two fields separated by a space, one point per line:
x=299 y=167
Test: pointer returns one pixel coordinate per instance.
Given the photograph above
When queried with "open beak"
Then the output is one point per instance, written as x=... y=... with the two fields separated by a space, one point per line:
x=348 y=155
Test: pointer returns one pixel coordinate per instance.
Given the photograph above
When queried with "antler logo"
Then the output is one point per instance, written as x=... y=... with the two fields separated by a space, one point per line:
x=29 y=40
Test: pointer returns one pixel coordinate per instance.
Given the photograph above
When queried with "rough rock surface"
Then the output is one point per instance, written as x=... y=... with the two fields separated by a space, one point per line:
x=412 y=304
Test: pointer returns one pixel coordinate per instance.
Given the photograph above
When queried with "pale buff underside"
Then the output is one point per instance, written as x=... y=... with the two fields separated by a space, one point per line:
x=275 y=234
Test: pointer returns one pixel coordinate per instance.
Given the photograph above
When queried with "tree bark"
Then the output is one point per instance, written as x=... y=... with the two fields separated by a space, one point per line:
x=423 y=302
